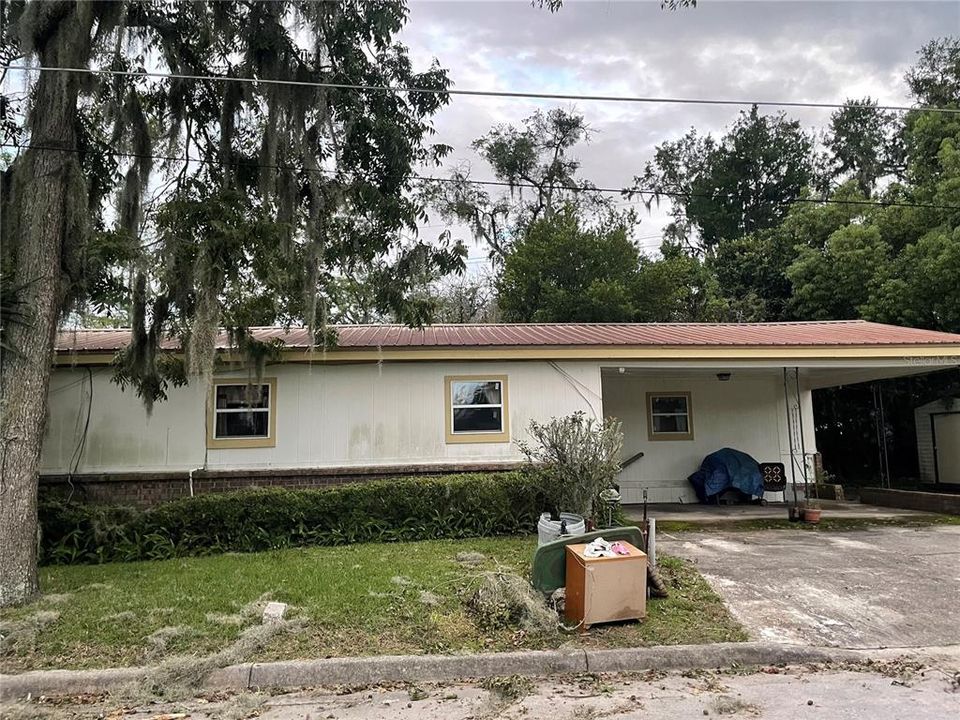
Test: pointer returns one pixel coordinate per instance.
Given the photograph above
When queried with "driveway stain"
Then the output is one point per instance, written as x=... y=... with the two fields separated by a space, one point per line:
x=881 y=587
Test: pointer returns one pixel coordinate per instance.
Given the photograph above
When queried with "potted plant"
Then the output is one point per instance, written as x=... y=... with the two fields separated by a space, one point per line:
x=811 y=513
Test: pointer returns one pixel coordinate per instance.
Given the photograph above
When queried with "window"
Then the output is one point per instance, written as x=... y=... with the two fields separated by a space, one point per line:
x=476 y=409
x=242 y=414
x=669 y=416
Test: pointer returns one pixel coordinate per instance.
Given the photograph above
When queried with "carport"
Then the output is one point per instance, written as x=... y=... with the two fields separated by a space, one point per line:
x=759 y=400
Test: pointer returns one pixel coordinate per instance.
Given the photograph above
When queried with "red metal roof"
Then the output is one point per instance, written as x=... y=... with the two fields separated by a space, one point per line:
x=799 y=334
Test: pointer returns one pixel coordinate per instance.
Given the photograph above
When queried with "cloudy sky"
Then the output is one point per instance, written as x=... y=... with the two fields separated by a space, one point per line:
x=772 y=50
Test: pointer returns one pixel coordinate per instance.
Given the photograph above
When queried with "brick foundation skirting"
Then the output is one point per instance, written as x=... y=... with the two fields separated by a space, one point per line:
x=944 y=503
x=151 y=488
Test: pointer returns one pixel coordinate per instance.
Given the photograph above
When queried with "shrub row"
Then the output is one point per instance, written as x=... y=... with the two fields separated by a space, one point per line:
x=456 y=506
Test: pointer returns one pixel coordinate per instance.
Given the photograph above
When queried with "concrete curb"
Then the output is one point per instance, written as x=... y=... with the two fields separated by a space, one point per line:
x=67 y=682
x=436 y=668
x=718 y=655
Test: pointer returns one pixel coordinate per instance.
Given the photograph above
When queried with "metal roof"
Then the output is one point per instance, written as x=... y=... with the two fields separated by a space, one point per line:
x=784 y=334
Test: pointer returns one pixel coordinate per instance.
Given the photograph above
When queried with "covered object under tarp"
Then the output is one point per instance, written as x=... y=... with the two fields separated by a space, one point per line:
x=724 y=469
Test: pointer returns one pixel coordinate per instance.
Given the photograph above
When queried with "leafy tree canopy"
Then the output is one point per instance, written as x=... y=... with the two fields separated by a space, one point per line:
x=724 y=189
x=288 y=188
x=563 y=270
x=535 y=164
x=864 y=143
x=935 y=79
x=192 y=204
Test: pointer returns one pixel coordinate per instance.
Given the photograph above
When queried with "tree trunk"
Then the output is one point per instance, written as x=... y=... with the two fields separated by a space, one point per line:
x=44 y=221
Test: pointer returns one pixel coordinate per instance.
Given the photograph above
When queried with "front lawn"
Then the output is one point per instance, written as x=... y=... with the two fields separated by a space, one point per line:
x=351 y=600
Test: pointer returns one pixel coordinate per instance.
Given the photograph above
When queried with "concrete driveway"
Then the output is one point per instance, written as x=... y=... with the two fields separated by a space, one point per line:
x=883 y=587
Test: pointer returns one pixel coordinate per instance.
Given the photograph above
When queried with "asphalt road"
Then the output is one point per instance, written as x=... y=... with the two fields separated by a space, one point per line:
x=883 y=587
x=897 y=692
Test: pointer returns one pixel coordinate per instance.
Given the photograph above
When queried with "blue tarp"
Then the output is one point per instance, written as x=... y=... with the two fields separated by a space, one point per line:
x=724 y=469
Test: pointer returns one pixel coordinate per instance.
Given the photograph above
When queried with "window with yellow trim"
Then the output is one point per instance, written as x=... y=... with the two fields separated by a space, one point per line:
x=669 y=416
x=242 y=414
x=476 y=408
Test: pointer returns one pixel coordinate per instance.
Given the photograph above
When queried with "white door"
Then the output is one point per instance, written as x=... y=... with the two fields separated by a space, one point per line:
x=947 y=432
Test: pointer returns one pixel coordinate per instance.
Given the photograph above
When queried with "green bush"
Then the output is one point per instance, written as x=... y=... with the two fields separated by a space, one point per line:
x=582 y=457
x=455 y=506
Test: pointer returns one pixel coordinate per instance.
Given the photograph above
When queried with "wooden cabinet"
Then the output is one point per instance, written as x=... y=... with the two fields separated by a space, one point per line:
x=605 y=589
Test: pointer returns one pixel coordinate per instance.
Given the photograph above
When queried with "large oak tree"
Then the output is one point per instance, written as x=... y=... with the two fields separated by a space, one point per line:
x=288 y=188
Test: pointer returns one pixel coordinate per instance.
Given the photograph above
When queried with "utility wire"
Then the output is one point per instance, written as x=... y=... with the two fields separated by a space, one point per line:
x=652 y=192
x=477 y=93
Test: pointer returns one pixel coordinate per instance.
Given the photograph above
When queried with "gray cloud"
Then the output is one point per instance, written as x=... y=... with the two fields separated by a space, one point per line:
x=811 y=51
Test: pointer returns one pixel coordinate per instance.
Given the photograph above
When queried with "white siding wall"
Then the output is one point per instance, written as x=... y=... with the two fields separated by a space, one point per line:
x=745 y=413
x=361 y=415
x=121 y=437
x=327 y=416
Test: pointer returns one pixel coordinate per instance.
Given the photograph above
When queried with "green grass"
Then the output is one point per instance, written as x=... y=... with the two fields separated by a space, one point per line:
x=826 y=523
x=353 y=600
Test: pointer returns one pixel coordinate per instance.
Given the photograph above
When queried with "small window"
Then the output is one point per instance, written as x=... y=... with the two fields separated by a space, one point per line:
x=669 y=416
x=477 y=409
x=242 y=415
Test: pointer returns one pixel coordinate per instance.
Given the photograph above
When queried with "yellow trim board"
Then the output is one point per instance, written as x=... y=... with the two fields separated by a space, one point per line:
x=658 y=437
x=482 y=437
x=948 y=355
x=214 y=443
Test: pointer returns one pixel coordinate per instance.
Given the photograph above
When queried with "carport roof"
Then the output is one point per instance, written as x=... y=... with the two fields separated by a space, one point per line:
x=843 y=333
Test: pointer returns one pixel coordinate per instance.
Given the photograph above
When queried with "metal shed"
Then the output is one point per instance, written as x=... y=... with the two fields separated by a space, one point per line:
x=938 y=441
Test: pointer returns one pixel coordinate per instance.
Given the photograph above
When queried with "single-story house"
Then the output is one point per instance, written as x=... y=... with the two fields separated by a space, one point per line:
x=391 y=399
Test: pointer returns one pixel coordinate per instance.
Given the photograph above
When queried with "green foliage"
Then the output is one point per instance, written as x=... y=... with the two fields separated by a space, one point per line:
x=168 y=370
x=935 y=79
x=738 y=185
x=294 y=188
x=834 y=282
x=923 y=289
x=761 y=162
x=577 y=457
x=754 y=266
x=864 y=143
x=533 y=160
x=252 y=520
x=562 y=271
x=924 y=136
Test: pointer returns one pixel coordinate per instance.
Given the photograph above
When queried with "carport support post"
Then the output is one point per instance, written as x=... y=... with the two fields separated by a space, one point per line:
x=803 y=444
x=793 y=464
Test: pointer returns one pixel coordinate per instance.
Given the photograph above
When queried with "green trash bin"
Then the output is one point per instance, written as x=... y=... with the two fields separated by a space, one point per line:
x=550 y=560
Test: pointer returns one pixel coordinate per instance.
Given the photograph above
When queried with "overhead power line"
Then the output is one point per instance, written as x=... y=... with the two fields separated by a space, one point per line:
x=478 y=93
x=652 y=192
